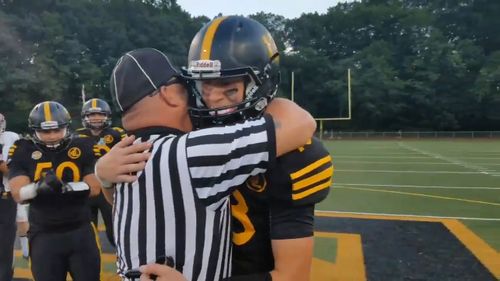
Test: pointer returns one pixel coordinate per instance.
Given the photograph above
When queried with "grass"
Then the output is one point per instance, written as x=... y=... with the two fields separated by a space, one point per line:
x=444 y=178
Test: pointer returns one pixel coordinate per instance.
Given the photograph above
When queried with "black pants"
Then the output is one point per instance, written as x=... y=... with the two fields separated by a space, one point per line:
x=54 y=254
x=99 y=203
x=7 y=235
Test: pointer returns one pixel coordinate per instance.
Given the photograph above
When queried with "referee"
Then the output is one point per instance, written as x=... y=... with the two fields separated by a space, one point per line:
x=178 y=205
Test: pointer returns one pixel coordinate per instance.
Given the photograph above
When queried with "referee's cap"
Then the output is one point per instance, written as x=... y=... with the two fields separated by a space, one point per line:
x=137 y=74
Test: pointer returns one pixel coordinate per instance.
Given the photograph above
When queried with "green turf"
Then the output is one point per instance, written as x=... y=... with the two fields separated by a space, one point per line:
x=325 y=249
x=467 y=164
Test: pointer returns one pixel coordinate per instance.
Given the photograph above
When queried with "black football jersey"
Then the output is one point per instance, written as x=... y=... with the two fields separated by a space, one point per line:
x=298 y=180
x=105 y=140
x=71 y=163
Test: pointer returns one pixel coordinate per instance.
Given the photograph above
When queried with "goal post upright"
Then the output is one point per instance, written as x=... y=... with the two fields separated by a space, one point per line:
x=349 y=108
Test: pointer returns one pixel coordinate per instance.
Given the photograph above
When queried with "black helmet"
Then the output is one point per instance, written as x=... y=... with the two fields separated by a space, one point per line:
x=49 y=115
x=230 y=47
x=96 y=106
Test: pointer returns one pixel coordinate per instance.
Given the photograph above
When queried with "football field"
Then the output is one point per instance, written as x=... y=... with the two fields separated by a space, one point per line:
x=404 y=210
x=411 y=210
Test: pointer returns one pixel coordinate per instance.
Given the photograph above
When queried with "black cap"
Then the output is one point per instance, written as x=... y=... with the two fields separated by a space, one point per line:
x=137 y=74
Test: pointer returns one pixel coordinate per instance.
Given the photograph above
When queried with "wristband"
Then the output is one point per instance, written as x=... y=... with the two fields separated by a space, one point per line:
x=27 y=192
x=78 y=186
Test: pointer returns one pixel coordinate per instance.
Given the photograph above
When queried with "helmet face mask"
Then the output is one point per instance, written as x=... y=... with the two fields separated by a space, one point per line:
x=237 y=47
x=49 y=118
x=46 y=137
x=96 y=106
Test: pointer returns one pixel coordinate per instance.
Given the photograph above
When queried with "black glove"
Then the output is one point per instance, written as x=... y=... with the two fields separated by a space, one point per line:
x=49 y=183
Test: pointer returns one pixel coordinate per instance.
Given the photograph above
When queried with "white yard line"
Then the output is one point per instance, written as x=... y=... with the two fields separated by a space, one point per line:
x=408 y=215
x=419 y=186
x=409 y=172
x=477 y=168
x=398 y=163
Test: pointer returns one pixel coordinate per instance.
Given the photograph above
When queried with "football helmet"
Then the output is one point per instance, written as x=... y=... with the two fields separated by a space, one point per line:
x=226 y=48
x=49 y=115
x=96 y=106
x=3 y=123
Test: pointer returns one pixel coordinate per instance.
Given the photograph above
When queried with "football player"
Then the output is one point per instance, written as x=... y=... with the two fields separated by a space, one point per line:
x=96 y=120
x=54 y=172
x=7 y=205
x=233 y=70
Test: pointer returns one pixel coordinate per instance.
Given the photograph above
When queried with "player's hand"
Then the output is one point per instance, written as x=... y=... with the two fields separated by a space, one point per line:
x=163 y=273
x=123 y=160
x=49 y=183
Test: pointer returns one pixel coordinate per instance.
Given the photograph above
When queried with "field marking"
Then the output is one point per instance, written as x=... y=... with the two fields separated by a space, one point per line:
x=378 y=157
x=379 y=154
x=410 y=163
x=349 y=262
x=488 y=256
x=422 y=195
x=477 y=168
x=428 y=218
x=409 y=157
x=410 y=172
x=420 y=186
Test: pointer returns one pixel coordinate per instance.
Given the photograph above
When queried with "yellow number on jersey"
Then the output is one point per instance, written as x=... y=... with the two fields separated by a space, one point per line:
x=41 y=166
x=239 y=212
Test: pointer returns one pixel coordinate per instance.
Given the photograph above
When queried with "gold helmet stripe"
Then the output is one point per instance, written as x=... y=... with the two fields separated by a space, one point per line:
x=206 y=46
x=46 y=111
x=94 y=103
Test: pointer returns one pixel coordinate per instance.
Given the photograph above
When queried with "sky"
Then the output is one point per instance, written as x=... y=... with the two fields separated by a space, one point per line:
x=287 y=8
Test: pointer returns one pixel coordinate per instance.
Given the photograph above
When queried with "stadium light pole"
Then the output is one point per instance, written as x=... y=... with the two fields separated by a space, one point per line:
x=293 y=86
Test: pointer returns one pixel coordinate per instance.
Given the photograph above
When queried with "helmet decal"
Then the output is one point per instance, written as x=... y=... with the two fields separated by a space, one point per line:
x=206 y=47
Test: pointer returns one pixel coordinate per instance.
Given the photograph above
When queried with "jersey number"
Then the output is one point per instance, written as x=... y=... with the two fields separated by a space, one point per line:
x=42 y=166
x=239 y=211
x=103 y=148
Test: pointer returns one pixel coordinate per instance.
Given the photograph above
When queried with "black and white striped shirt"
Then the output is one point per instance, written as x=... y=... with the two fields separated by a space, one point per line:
x=179 y=205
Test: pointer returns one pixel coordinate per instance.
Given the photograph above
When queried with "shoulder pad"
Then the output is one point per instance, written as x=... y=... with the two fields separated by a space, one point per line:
x=19 y=144
x=120 y=131
x=310 y=172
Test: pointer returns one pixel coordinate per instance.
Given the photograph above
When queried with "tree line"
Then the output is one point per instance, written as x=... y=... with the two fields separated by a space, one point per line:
x=415 y=64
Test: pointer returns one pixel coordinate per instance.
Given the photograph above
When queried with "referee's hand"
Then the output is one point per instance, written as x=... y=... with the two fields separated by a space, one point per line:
x=123 y=160
x=163 y=273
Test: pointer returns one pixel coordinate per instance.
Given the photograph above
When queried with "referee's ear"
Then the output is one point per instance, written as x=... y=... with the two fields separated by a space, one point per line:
x=173 y=95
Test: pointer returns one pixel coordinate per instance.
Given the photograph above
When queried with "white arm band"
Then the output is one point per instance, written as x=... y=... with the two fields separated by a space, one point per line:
x=78 y=186
x=27 y=192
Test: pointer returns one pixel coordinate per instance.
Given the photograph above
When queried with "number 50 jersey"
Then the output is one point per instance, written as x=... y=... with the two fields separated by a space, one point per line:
x=71 y=163
x=278 y=205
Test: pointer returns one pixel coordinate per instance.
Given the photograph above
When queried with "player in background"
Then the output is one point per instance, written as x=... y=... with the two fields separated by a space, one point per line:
x=96 y=121
x=7 y=205
x=55 y=173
